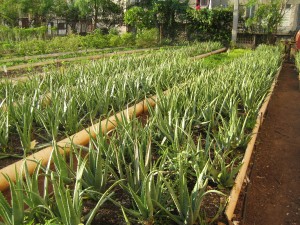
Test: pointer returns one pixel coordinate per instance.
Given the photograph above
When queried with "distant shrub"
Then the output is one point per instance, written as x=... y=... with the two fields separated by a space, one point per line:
x=147 y=38
x=210 y=24
x=54 y=45
x=69 y=43
x=7 y=47
x=114 y=40
x=31 y=47
x=128 y=39
x=72 y=42
x=95 y=40
x=22 y=34
x=113 y=31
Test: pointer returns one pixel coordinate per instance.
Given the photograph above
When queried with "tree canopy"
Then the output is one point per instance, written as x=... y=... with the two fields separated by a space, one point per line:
x=41 y=11
x=267 y=16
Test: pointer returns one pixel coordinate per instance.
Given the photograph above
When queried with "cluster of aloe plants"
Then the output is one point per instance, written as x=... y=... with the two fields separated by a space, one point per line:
x=165 y=167
x=84 y=93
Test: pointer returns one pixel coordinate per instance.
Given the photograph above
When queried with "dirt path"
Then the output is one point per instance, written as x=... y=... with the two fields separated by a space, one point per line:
x=273 y=194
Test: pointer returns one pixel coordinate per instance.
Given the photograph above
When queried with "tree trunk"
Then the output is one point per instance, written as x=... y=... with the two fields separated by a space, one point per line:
x=95 y=15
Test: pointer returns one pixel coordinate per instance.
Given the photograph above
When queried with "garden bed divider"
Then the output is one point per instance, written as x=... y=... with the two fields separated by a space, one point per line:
x=235 y=191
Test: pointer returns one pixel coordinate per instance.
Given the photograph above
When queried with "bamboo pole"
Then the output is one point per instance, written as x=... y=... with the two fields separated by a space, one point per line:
x=209 y=53
x=235 y=191
x=80 y=138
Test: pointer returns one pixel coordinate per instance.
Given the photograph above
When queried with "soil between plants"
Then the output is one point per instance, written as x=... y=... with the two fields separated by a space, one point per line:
x=273 y=193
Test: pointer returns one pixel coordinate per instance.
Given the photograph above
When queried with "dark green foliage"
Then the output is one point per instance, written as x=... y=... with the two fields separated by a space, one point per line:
x=111 y=15
x=139 y=18
x=21 y=34
x=95 y=40
x=210 y=24
x=40 y=10
x=70 y=43
x=169 y=14
x=266 y=18
x=147 y=38
x=9 y=13
x=128 y=39
x=105 y=12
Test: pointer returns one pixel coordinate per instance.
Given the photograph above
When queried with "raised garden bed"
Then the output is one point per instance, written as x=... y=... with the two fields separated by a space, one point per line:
x=176 y=166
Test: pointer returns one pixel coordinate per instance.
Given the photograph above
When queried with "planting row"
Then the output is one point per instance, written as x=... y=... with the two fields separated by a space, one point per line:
x=80 y=94
x=47 y=64
x=38 y=58
x=146 y=38
x=175 y=168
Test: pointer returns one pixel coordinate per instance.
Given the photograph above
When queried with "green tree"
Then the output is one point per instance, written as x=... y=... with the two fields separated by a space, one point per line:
x=111 y=15
x=97 y=8
x=39 y=10
x=267 y=16
x=169 y=13
x=139 y=18
x=210 y=24
x=68 y=10
x=9 y=12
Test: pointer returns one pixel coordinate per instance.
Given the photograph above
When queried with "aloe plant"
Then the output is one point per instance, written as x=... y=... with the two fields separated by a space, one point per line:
x=13 y=214
x=22 y=114
x=69 y=207
x=187 y=203
x=97 y=170
x=4 y=126
x=131 y=156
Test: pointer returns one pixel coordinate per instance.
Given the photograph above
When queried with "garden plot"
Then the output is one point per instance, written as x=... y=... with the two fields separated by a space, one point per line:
x=163 y=170
x=83 y=93
x=21 y=65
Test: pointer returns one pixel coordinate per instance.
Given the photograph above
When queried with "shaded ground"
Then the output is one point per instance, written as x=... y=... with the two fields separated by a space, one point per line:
x=273 y=194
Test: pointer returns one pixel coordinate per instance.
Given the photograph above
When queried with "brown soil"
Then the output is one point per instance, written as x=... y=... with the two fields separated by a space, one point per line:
x=273 y=194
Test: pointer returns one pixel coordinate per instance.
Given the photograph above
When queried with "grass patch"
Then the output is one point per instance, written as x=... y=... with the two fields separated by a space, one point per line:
x=223 y=58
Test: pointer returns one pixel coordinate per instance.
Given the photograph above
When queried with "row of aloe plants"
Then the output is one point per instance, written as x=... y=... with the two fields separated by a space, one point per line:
x=168 y=169
x=83 y=93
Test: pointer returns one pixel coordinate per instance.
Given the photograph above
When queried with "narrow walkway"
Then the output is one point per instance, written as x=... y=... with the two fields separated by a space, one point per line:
x=273 y=194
